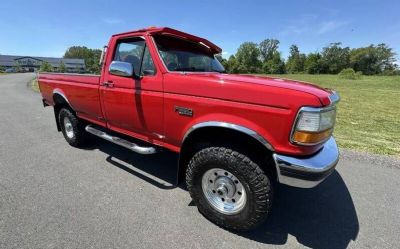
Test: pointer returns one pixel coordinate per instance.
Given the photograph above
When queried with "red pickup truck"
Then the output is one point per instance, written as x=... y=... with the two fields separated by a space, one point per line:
x=236 y=135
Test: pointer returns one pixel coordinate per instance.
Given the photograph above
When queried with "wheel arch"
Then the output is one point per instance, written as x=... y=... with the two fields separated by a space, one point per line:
x=216 y=133
x=60 y=100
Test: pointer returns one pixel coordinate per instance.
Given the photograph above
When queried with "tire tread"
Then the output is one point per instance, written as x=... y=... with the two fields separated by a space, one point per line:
x=259 y=182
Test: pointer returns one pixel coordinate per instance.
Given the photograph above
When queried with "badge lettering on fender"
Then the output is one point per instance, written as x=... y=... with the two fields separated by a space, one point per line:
x=184 y=111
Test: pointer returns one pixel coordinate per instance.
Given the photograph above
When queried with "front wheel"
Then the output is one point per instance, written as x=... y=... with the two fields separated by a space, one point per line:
x=229 y=188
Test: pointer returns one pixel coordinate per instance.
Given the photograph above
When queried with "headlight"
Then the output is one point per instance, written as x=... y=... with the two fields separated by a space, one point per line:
x=313 y=125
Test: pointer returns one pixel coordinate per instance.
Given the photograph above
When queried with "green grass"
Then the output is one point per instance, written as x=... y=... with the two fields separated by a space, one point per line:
x=35 y=85
x=368 y=116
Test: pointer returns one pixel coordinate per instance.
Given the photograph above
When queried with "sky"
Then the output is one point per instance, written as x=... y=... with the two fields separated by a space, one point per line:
x=48 y=28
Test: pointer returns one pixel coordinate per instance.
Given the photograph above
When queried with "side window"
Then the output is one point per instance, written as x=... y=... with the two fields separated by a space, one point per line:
x=130 y=51
x=170 y=60
x=148 y=67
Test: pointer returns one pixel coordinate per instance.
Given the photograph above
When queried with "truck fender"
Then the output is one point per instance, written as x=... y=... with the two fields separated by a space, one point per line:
x=59 y=99
x=216 y=124
x=62 y=95
x=236 y=127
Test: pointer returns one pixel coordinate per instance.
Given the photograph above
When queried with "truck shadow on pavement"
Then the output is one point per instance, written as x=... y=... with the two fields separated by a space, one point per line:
x=321 y=217
x=159 y=169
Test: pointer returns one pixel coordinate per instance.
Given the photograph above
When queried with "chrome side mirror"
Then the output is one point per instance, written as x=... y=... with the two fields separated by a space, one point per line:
x=120 y=68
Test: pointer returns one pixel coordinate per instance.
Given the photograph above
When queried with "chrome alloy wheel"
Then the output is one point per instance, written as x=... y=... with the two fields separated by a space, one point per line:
x=69 y=130
x=223 y=191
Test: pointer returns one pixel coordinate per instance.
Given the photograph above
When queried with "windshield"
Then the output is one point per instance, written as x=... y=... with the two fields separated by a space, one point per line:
x=184 y=55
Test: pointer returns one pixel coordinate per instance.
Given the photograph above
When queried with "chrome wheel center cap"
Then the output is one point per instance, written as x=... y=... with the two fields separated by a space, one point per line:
x=225 y=187
x=223 y=191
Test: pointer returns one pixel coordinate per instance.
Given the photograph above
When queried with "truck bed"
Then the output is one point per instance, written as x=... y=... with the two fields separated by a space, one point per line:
x=81 y=91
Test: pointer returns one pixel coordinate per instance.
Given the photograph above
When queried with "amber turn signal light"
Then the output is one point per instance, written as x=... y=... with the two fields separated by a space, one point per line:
x=305 y=137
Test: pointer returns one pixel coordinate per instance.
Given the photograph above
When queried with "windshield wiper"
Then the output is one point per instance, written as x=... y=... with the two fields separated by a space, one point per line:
x=193 y=69
x=218 y=71
x=189 y=69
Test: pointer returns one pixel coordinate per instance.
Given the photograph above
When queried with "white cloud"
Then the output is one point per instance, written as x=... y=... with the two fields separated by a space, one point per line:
x=330 y=26
x=311 y=23
x=293 y=29
x=299 y=25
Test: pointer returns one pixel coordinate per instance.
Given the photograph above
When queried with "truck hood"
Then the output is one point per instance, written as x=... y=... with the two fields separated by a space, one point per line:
x=258 y=90
x=322 y=94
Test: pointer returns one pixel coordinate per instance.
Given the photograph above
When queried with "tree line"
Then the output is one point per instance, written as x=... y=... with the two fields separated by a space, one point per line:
x=91 y=57
x=265 y=57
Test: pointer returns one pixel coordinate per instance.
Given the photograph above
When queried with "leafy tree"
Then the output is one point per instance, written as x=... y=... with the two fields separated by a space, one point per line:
x=386 y=57
x=335 y=57
x=231 y=65
x=296 y=60
x=314 y=64
x=373 y=59
x=91 y=57
x=17 y=67
x=92 y=63
x=45 y=67
x=1 y=68
x=365 y=59
x=247 y=57
x=268 y=49
x=62 y=68
x=274 y=65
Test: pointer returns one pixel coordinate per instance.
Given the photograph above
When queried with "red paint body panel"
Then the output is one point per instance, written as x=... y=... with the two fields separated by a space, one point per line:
x=145 y=108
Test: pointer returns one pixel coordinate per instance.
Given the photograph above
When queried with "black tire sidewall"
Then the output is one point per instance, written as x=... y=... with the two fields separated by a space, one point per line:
x=78 y=137
x=247 y=218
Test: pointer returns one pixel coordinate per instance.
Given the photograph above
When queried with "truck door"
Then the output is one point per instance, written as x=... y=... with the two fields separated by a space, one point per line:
x=134 y=106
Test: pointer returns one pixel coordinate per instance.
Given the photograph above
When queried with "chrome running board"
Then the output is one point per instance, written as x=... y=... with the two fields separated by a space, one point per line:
x=121 y=142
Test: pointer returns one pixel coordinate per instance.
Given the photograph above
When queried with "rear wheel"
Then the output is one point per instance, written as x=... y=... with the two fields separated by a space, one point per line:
x=72 y=128
x=229 y=188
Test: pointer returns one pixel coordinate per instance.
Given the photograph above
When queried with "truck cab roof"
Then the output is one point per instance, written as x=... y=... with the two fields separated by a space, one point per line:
x=171 y=32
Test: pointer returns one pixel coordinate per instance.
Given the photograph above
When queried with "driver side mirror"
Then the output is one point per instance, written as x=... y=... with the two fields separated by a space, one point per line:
x=121 y=68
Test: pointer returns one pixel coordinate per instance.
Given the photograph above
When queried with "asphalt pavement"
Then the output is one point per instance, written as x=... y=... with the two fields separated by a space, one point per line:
x=55 y=196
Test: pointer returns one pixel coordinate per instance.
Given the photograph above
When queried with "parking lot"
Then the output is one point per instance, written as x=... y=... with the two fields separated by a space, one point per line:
x=56 y=196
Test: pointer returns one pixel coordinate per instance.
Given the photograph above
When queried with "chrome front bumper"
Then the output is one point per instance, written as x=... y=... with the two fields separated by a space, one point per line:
x=307 y=172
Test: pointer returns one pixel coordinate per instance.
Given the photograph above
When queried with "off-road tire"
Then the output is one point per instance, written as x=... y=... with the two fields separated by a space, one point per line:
x=258 y=187
x=80 y=136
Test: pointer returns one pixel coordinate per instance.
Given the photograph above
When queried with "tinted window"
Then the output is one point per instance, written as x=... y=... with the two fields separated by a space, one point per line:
x=148 y=67
x=185 y=55
x=130 y=51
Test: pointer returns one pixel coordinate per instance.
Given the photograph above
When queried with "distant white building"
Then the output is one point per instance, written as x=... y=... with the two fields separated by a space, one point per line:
x=32 y=63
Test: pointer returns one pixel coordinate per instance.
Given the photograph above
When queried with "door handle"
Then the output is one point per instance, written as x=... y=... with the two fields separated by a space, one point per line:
x=108 y=84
